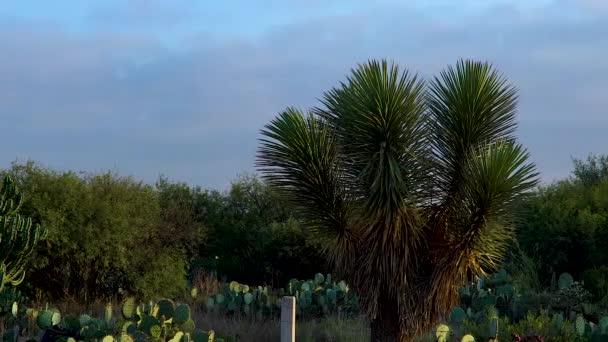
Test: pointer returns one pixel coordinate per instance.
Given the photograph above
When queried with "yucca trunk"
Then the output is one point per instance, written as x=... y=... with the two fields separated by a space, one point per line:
x=385 y=326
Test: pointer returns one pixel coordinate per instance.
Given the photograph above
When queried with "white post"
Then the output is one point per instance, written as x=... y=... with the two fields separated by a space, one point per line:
x=288 y=319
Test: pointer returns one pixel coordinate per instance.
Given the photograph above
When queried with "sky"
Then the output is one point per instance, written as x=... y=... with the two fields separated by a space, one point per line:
x=182 y=87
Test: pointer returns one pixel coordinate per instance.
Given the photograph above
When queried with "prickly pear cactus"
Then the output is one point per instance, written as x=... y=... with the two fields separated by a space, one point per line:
x=128 y=308
x=443 y=332
x=580 y=325
x=147 y=323
x=603 y=325
x=458 y=315
x=47 y=319
x=166 y=308
x=182 y=314
x=558 y=321
x=565 y=281
x=107 y=315
x=468 y=338
x=248 y=298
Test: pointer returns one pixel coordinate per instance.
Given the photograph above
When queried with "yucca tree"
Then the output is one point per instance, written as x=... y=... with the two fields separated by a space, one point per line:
x=410 y=184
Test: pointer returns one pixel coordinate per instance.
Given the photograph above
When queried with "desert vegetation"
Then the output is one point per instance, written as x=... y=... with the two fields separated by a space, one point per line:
x=398 y=210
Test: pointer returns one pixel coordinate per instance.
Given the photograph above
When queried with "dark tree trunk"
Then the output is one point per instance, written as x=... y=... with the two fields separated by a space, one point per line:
x=385 y=327
x=384 y=330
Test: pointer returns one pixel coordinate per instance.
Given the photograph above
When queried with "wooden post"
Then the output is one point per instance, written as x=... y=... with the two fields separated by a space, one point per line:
x=288 y=319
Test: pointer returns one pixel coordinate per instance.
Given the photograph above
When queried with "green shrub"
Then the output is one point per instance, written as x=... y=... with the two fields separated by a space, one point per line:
x=103 y=234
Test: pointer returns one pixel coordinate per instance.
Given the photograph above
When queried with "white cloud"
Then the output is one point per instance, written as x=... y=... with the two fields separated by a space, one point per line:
x=88 y=102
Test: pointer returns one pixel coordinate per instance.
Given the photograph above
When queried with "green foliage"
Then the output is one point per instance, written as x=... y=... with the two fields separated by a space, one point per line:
x=102 y=236
x=103 y=228
x=564 y=226
x=572 y=298
x=390 y=172
x=252 y=237
x=531 y=325
x=592 y=171
x=182 y=219
x=596 y=281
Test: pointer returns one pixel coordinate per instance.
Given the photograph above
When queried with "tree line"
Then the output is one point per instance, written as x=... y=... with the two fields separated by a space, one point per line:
x=109 y=234
x=410 y=187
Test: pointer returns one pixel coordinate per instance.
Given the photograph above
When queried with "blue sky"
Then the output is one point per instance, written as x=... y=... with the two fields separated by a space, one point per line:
x=182 y=88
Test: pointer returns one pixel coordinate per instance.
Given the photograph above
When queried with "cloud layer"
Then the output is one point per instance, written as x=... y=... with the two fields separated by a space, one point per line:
x=189 y=102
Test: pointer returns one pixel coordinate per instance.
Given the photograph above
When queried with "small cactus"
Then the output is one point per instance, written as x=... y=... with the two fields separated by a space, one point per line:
x=565 y=281
x=188 y=326
x=107 y=315
x=248 y=298
x=442 y=333
x=166 y=308
x=458 y=315
x=580 y=325
x=128 y=308
x=558 y=321
x=603 y=324
x=125 y=338
x=48 y=319
x=182 y=314
x=147 y=323
x=467 y=338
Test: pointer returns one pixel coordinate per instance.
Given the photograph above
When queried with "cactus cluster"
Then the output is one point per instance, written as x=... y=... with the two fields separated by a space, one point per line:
x=494 y=291
x=321 y=296
x=315 y=297
x=482 y=303
x=160 y=321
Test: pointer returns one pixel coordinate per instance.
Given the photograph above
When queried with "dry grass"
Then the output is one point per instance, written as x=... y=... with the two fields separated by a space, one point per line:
x=206 y=283
x=251 y=330
x=245 y=328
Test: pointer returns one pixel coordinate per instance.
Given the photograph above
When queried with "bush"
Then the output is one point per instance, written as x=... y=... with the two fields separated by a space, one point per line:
x=564 y=226
x=103 y=234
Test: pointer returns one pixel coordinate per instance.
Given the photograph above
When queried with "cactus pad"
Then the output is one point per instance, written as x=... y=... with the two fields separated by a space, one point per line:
x=565 y=281
x=182 y=314
x=603 y=324
x=468 y=338
x=128 y=308
x=442 y=333
x=166 y=308
x=147 y=323
x=188 y=326
x=200 y=336
x=580 y=325
x=457 y=315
